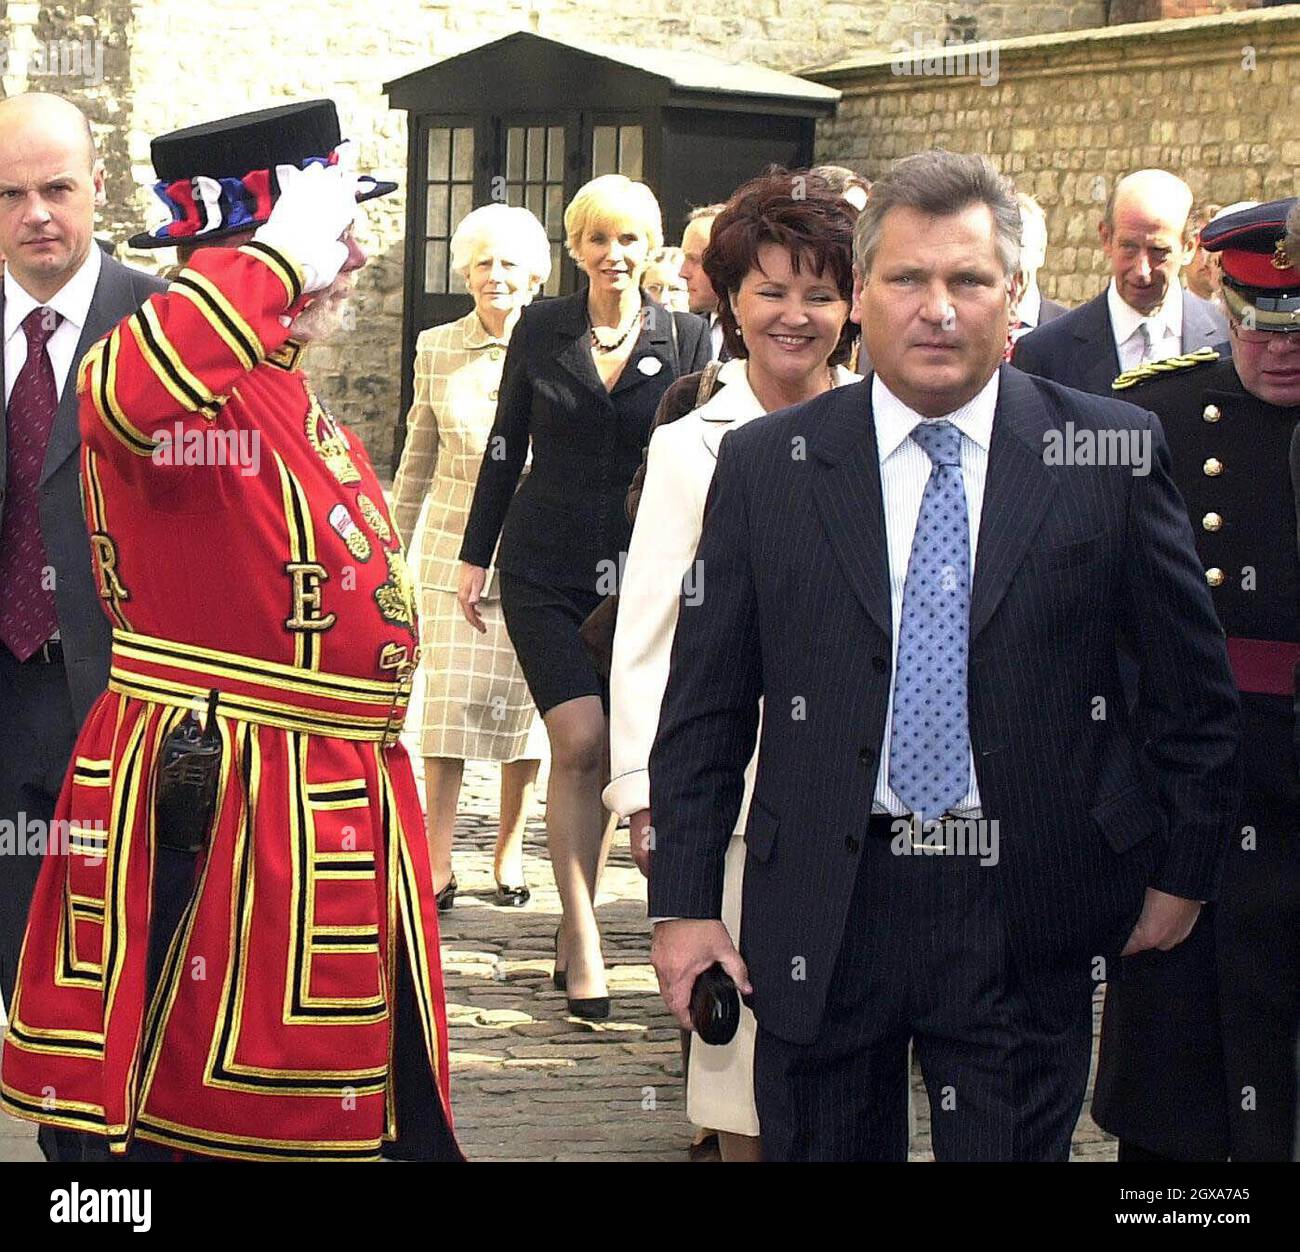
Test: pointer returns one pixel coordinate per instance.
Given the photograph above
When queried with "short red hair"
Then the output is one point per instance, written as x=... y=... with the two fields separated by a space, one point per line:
x=794 y=210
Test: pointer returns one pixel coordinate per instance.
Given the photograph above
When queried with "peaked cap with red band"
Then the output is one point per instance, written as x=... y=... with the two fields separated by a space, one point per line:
x=219 y=178
x=1261 y=280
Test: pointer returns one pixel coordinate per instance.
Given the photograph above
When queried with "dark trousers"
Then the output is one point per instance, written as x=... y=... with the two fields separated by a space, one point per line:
x=925 y=958
x=1197 y=1056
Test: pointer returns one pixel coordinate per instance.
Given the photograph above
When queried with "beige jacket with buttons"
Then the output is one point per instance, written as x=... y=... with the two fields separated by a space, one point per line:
x=457 y=373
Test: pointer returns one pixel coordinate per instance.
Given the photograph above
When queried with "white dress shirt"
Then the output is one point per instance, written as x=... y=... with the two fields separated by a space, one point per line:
x=1164 y=326
x=1029 y=309
x=904 y=471
x=715 y=336
x=72 y=300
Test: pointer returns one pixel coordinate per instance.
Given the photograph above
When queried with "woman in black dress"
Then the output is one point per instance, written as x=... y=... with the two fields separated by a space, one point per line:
x=583 y=376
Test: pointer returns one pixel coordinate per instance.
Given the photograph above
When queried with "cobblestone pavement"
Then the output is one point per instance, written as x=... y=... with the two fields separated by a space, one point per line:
x=528 y=1081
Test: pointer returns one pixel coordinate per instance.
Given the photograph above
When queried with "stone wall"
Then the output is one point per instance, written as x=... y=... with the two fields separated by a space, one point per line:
x=1216 y=100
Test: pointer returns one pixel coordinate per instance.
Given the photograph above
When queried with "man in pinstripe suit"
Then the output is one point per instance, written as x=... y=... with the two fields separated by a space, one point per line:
x=925 y=578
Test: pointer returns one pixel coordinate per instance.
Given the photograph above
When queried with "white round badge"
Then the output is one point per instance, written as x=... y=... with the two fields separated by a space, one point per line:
x=649 y=365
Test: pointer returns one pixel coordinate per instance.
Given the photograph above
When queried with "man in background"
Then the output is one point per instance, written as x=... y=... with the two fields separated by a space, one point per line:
x=60 y=294
x=700 y=294
x=1144 y=314
x=1029 y=307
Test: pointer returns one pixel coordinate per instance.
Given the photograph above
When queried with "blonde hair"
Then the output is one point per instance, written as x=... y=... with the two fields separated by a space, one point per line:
x=504 y=225
x=613 y=198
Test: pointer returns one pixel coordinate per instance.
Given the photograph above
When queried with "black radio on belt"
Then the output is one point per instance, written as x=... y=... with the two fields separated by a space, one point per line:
x=189 y=768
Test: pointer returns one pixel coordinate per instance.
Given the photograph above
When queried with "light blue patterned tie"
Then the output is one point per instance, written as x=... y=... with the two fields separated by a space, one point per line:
x=929 y=746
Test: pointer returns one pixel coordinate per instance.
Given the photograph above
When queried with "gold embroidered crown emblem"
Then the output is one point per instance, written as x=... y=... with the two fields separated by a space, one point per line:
x=331 y=446
x=1281 y=258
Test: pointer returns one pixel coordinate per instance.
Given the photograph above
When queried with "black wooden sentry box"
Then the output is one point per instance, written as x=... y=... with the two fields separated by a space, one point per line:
x=528 y=119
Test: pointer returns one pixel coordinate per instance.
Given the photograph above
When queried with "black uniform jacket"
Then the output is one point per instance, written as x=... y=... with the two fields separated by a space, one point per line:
x=567 y=521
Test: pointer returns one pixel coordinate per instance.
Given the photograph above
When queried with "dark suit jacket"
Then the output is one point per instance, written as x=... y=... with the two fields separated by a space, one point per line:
x=84 y=627
x=1049 y=311
x=797 y=611
x=1078 y=348
x=567 y=519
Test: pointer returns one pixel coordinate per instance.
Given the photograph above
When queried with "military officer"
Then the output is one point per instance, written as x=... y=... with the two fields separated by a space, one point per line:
x=1197 y=1054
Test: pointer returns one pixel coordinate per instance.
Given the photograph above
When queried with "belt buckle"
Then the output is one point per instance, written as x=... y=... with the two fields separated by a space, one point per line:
x=917 y=833
x=403 y=661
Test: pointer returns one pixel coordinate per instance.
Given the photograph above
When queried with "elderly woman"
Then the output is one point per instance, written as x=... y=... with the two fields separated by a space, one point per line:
x=476 y=704
x=781 y=258
x=583 y=377
x=663 y=281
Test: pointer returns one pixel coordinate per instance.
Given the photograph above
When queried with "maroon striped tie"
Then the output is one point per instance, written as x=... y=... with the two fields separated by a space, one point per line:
x=27 y=613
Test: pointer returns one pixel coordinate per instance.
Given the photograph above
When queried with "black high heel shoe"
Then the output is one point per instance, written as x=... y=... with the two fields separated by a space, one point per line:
x=594 y=1010
x=559 y=977
x=447 y=896
x=512 y=897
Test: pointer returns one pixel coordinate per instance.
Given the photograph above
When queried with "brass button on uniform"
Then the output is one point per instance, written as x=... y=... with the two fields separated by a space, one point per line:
x=1213 y=467
x=495 y=354
x=1214 y=576
x=1211 y=413
x=1211 y=521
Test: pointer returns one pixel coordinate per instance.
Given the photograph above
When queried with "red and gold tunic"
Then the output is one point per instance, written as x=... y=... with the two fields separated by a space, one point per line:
x=242 y=544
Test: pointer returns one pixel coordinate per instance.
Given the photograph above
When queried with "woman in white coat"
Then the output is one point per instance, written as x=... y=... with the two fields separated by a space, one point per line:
x=780 y=257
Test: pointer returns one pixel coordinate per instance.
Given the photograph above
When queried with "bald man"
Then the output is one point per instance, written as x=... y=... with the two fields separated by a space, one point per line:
x=1144 y=314
x=60 y=293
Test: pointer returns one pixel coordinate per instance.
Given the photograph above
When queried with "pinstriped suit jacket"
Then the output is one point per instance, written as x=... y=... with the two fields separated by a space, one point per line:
x=795 y=609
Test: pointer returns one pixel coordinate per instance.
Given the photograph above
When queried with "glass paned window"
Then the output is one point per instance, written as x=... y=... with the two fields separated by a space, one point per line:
x=449 y=196
x=535 y=180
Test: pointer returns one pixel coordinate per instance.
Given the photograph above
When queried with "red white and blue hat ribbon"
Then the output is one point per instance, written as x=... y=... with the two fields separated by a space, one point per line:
x=202 y=205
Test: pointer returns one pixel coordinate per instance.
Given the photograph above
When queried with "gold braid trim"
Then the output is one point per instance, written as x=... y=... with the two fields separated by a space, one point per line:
x=1154 y=369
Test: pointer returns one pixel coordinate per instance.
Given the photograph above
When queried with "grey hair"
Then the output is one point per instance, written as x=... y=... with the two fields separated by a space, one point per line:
x=494 y=225
x=940 y=184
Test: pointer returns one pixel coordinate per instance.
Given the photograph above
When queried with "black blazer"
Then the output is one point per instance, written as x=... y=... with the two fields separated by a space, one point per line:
x=84 y=628
x=795 y=562
x=1078 y=348
x=566 y=523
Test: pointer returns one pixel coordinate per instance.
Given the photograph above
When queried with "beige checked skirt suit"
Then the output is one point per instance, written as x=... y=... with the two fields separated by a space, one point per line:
x=670 y=517
x=474 y=703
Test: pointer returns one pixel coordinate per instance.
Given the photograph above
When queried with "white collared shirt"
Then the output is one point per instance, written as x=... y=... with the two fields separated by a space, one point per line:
x=1164 y=325
x=715 y=336
x=72 y=300
x=1030 y=309
x=904 y=471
